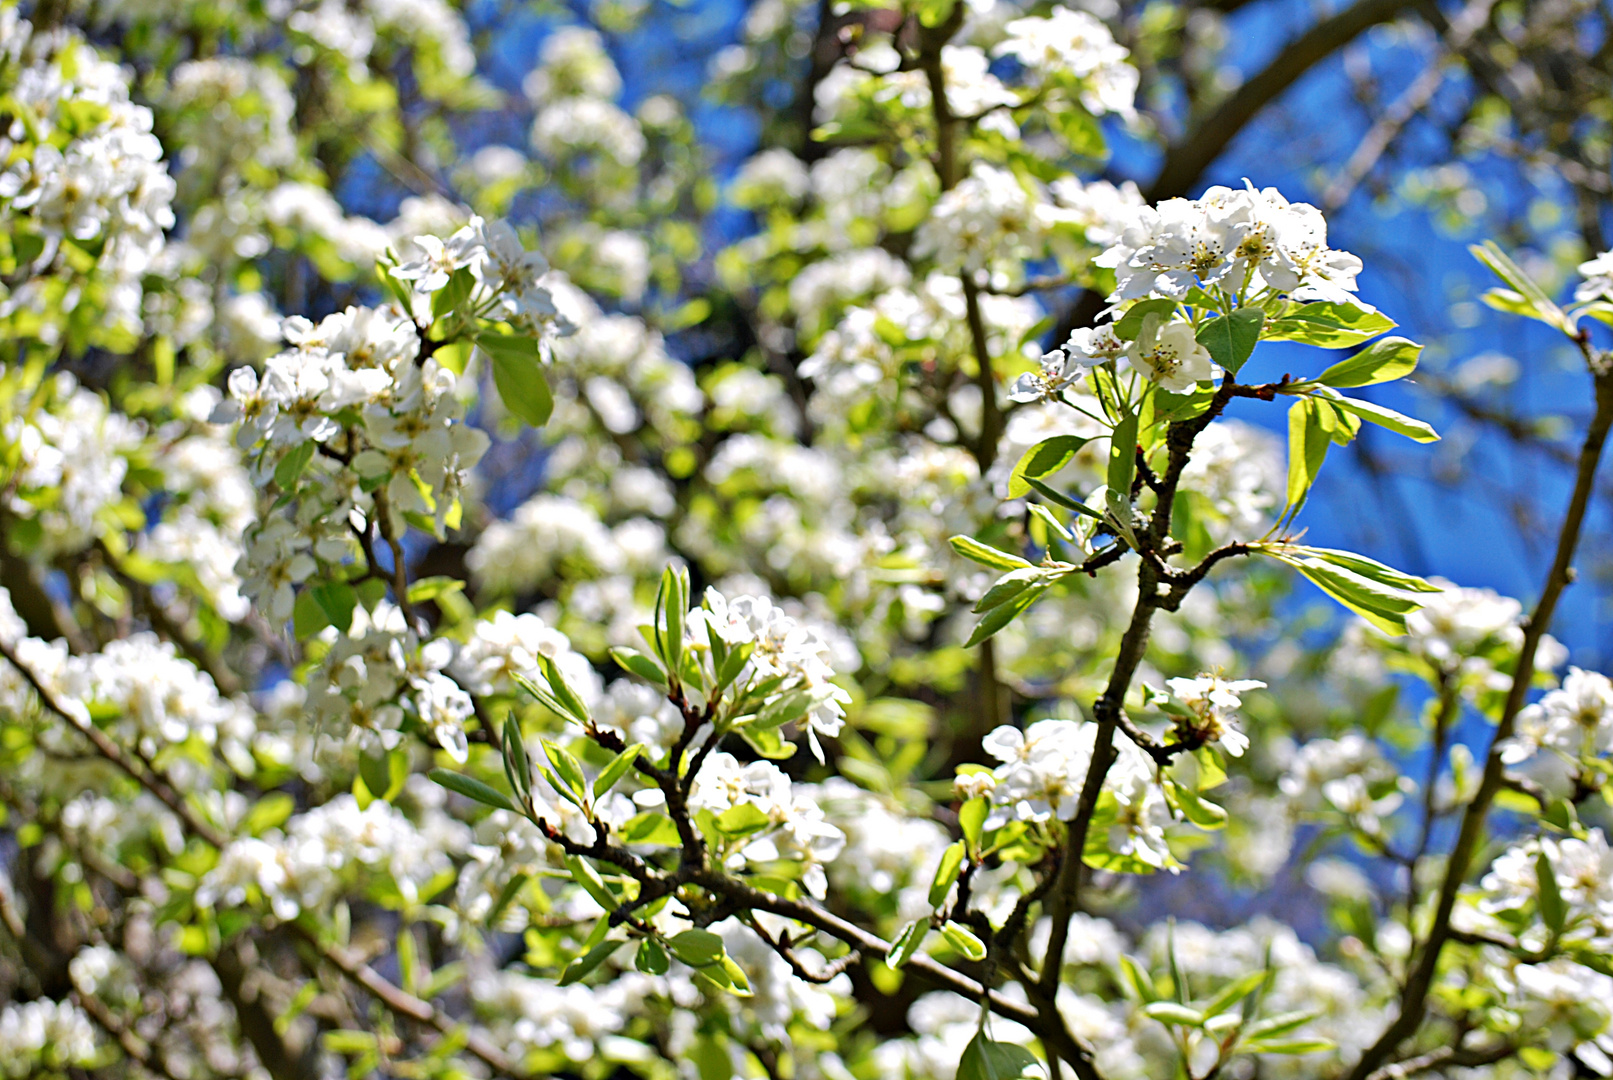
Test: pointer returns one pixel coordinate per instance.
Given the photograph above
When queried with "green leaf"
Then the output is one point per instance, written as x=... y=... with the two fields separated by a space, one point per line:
x=738 y=984
x=1043 y=459
x=1129 y=325
x=269 y=812
x=652 y=958
x=519 y=377
x=1281 y=1024
x=540 y=693
x=289 y=469
x=1308 y=439
x=429 y=588
x=907 y=942
x=1058 y=498
x=1296 y=1046
x=1381 y=362
x=308 y=616
x=963 y=940
x=1410 y=427
x=1231 y=339
x=1383 y=608
x=734 y=663
x=972 y=816
x=1137 y=980
x=1537 y=304
x=1003 y=614
x=1206 y=815
x=575 y=707
x=1328 y=325
x=1123 y=458
x=566 y=765
x=986 y=1060
x=1370 y=569
x=450 y=296
x=585 y=964
x=584 y=874
x=517 y=767
x=617 y=769
x=1171 y=1012
x=1051 y=522
x=1553 y=911
x=743 y=820
x=382 y=775
x=767 y=742
x=1234 y=992
x=472 y=788
x=697 y=948
x=946 y=872
x=973 y=549
x=1007 y=587
x=338 y=600
x=649 y=828
x=636 y=662
x=1077 y=127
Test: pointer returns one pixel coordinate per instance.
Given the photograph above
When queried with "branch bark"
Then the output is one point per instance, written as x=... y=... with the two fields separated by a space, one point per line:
x=1414 y=998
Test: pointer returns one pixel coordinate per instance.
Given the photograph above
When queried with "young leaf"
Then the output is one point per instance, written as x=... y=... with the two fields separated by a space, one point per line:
x=651 y=957
x=946 y=873
x=1137 y=981
x=1006 y=588
x=1231 y=339
x=1408 y=426
x=566 y=765
x=575 y=707
x=973 y=549
x=517 y=768
x=986 y=1060
x=1129 y=325
x=1043 y=459
x=518 y=376
x=1308 y=439
x=1381 y=362
x=1170 y=1012
x=1058 y=498
x=472 y=788
x=616 y=769
x=1234 y=992
x=1206 y=815
x=1553 y=911
x=289 y=469
x=907 y=942
x=1328 y=325
x=1370 y=569
x=1539 y=305
x=964 y=941
x=1051 y=522
x=584 y=874
x=585 y=964
x=640 y=665
x=1123 y=459
x=972 y=816
x=1004 y=613
x=697 y=948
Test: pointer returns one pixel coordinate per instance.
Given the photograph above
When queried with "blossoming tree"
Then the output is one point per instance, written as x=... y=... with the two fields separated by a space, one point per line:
x=409 y=666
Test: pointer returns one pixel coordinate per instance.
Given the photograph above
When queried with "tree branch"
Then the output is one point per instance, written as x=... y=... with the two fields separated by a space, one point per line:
x=1414 y=998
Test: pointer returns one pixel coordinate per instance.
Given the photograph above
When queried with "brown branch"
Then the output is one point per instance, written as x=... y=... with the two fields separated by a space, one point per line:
x=1412 y=101
x=1414 y=997
x=405 y=1004
x=146 y=774
x=1186 y=160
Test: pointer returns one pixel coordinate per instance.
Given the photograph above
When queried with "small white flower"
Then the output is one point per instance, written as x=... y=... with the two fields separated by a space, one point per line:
x=1169 y=355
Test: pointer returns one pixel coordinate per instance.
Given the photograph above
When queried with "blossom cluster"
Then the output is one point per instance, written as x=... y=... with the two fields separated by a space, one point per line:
x=83 y=173
x=1243 y=243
